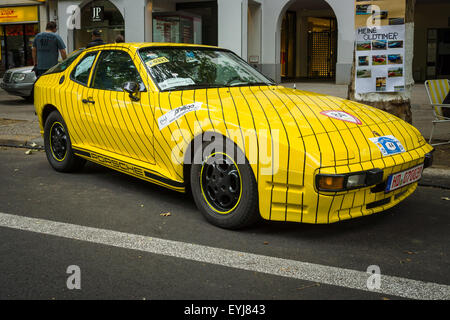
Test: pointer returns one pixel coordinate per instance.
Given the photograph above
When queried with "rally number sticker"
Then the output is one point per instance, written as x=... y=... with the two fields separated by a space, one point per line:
x=341 y=115
x=156 y=61
x=388 y=145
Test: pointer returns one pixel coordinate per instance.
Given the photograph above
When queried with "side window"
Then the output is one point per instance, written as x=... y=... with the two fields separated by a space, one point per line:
x=113 y=69
x=81 y=72
x=63 y=65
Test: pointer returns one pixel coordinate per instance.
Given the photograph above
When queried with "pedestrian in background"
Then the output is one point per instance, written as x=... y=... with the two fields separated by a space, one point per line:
x=47 y=46
x=120 y=38
x=96 y=39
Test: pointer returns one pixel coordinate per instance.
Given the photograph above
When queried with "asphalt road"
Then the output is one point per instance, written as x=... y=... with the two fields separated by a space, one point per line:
x=410 y=241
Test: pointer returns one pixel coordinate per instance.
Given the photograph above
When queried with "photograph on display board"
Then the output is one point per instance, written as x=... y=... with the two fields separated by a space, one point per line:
x=363 y=9
x=381 y=84
x=364 y=46
x=382 y=15
x=364 y=73
x=363 y=61
x=384 y=12
x=396 y=21
x=395 y=59
x=395 y=72
x=395 y=44
x=379 y=45
x=379 y=60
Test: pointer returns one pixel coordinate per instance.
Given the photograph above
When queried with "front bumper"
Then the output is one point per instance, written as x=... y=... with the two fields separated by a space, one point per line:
x=366 y=201
x=17 y=89
x=304 y=203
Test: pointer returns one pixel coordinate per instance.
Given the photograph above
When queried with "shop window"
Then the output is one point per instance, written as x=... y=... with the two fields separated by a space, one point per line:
x=109 y=21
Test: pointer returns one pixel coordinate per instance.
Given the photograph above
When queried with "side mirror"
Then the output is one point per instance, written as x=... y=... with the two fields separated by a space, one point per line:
x=132 y=88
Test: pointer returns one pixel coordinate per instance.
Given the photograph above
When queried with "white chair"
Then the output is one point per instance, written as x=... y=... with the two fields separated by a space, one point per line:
x=437 y=91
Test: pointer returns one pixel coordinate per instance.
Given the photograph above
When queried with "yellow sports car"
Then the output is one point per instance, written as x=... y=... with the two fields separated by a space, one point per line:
x=199 y=118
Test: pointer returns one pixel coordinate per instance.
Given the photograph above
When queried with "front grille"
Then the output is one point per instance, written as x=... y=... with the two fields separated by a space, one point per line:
x=378 y=203
x=7 y=77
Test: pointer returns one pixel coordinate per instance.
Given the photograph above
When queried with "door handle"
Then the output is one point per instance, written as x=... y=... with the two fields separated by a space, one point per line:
x=88 y=101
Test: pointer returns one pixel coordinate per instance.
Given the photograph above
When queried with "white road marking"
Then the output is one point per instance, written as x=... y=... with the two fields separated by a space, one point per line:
x=347 y=278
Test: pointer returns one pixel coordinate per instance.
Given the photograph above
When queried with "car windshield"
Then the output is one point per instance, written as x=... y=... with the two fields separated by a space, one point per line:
x=178 y=68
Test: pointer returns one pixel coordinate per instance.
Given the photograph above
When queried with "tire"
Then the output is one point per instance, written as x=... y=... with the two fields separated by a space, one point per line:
x=224 y=189
x=29 y=98
x=58 y=146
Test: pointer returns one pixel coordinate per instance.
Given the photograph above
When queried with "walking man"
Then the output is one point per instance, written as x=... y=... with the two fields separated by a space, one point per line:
x=96 y=39
x=47 y=46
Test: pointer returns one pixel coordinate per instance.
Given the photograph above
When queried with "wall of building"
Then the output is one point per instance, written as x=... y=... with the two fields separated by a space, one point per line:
x=254 y=29
x=440 y=13
x=232 y=15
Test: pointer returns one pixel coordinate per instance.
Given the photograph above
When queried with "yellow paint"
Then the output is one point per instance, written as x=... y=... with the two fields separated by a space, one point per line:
x=19 y=14
x=279 y=119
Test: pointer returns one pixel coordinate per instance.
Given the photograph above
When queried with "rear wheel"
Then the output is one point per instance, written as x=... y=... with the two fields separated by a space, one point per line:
x=58 y=147
x=224 y=188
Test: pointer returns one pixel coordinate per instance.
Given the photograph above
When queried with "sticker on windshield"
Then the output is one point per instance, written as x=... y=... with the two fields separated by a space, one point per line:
x=341 y=115
x=190 y=57
x=388 y=145
x=175 y=82
x=175 y=114
x=156 y=61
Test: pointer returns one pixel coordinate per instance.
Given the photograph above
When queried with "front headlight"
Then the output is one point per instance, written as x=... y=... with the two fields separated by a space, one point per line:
x=18 y=77
x=349 y=181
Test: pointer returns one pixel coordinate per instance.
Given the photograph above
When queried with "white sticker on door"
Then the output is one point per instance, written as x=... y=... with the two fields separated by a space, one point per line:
x=175 y=114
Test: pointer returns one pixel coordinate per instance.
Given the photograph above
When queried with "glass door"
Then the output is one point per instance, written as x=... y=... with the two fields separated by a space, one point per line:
x=16 y=43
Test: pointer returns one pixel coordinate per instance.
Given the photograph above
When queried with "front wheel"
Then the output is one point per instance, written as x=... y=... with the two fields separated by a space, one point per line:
x=223 y=186
x=58 y=147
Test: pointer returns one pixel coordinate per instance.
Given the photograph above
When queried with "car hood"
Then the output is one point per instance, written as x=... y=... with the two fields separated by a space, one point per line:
x=21 y=69
x=338 y=129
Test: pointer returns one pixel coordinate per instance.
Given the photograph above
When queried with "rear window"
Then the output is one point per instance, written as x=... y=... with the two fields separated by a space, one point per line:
x=63 y=65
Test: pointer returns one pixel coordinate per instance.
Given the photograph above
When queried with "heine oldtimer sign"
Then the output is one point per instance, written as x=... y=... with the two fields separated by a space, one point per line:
x=380 y=53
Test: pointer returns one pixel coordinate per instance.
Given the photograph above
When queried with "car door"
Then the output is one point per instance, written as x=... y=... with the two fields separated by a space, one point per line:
x=79 y=105
x=125 y=123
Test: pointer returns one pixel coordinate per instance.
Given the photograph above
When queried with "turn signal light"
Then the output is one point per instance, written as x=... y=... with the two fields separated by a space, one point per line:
x=331 y=183
x=349 y=181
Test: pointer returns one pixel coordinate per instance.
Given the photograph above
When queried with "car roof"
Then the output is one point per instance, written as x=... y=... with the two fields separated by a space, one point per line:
x=138 y=45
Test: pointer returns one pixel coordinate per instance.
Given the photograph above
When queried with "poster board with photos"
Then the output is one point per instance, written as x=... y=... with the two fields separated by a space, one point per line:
x=387 y=12
x=380 y=46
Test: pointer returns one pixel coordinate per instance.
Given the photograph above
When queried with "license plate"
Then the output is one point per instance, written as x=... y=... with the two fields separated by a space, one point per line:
x=401 y=179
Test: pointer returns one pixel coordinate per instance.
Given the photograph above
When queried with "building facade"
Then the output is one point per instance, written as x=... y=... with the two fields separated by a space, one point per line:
x=20 y=21
x=285 y=39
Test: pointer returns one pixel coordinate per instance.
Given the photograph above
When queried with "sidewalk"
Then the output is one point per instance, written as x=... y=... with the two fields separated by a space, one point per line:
x=19 y=126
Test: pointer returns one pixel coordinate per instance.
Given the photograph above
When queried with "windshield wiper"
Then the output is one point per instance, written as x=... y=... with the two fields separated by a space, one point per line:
x=193 y=86
x=252 y=84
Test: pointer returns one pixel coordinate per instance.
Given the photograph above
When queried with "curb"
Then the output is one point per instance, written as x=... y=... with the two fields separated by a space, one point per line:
x=37 y=144
x=437 y=177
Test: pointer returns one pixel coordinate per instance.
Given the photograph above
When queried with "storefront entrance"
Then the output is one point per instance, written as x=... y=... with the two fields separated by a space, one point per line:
x=101 y=15
x=18 y=27
x=308 y=41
